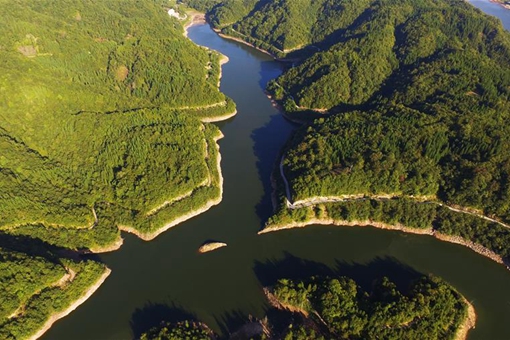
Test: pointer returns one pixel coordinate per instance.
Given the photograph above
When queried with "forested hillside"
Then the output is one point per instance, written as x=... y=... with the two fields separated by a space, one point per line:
x=101 y=105
x=412 y=95
x=36 y=287
x=99 y=120
x=338 y=308
x=429 y=122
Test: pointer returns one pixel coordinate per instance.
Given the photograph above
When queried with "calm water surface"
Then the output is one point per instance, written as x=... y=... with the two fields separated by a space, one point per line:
x=167 y=279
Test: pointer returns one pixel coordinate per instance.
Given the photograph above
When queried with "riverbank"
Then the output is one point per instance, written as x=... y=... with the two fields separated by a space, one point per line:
x=379 y=225
x=59 y=315
x=109 y=248
x=469 y=322
x=197 y=18
x=502 y=3
x=239 y=40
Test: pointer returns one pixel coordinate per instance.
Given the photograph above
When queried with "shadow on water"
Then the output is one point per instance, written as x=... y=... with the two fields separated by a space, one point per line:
x=154 y=314
x=266 y=147
x=268 y=141
x=231 y=321
x=366 y=274
x=268 y=71
x=292 y=267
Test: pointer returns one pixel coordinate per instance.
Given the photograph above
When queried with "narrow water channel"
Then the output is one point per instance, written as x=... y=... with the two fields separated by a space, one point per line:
x=168 y=279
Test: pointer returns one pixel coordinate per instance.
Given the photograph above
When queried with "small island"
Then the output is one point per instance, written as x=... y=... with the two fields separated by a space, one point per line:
x=211 y=246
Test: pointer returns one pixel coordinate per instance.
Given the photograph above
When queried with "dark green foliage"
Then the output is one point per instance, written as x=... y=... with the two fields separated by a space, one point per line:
x=431 y=309
x=401 y=151
x=201 y=5
x=185 y=330
x=228 y=12
x=280 y=26
x=417 y=93
x=367 y=153
x=301 y=333
x=34 y=288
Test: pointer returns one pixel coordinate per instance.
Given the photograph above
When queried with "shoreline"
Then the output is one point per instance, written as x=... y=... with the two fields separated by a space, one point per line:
x=469 y=321
x=197 y=18
x=221 y=118
x=501 y=3
x=239 y=40
x=476 y=247
x=461 y=333
x=182 y=218
x=288 y=116
x=59 y=315
x=379 y=225
x=109 y=248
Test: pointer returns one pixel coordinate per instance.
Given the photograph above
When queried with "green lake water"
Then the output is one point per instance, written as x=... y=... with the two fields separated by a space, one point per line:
x=168 y=279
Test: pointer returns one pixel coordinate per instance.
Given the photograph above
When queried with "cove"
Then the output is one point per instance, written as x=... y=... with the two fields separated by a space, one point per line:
x=167 y=278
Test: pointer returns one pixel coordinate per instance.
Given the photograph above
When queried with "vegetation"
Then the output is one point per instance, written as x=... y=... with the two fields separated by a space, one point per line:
x=430 y=309
x=415 y=93
x=185 y=330
x=36 y=287
x=100 y=127
x=98 y=123
x=425 y=217
x=337 y=308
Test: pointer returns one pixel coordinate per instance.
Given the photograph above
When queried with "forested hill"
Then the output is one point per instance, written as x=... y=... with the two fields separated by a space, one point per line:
x=417 y=93
x=429 y=82
x=101 y=105
x=99 y=120
x=338 y=308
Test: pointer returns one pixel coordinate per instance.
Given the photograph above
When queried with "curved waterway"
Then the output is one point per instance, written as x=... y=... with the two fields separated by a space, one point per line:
x=168 y=279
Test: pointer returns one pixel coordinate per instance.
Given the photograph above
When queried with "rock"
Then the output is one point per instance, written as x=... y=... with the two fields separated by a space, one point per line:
x=210 y=246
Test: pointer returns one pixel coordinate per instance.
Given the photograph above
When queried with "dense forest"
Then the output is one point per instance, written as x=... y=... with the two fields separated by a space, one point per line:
x=100 y=120
x=338 y=308
x=36 y=286
x=102 y=126
x=403 y=100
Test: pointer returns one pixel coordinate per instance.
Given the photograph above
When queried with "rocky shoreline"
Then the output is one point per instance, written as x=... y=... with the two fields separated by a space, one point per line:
x=211 y=246
x=368 y=223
